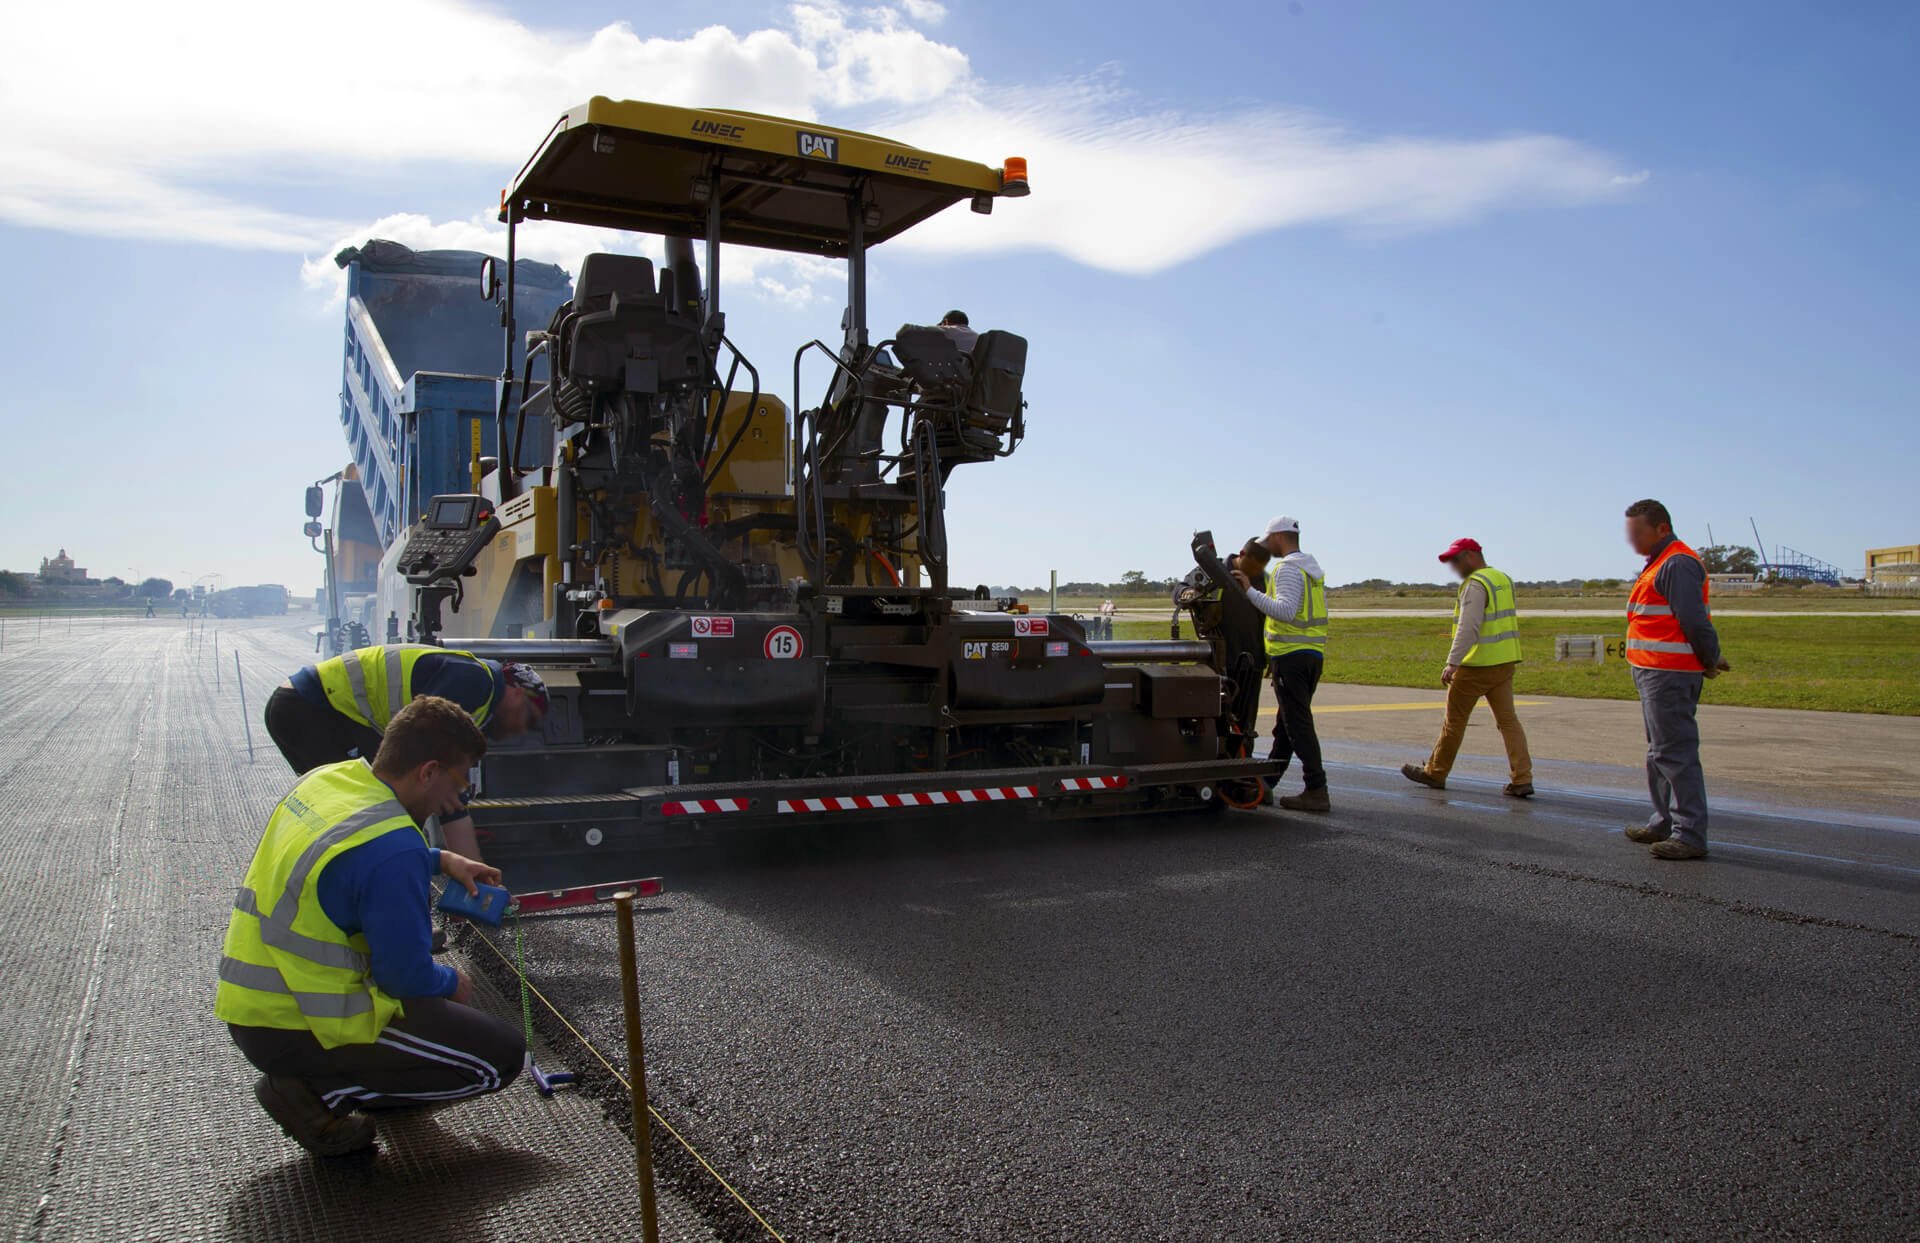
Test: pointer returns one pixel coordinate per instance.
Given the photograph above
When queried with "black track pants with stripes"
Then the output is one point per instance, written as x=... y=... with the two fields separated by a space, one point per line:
x=441 y=1051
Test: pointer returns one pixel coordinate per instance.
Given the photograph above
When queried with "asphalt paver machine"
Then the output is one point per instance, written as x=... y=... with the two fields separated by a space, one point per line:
x=742 y=607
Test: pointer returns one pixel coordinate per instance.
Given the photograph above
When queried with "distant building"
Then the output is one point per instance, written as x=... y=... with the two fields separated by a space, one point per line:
x=1899 y=565
x=61 y=569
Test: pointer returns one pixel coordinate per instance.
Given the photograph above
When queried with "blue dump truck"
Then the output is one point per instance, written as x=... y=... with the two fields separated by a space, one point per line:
x=419 y=393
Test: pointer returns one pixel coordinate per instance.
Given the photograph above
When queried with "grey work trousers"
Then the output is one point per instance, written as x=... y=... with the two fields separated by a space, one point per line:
x=1669 y=700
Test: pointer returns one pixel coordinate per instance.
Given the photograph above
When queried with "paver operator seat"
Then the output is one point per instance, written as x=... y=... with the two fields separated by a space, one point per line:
x=973 y=399
x=621 y=334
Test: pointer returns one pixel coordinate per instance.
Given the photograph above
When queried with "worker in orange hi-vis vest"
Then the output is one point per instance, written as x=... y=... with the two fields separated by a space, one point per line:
x=1673 y=649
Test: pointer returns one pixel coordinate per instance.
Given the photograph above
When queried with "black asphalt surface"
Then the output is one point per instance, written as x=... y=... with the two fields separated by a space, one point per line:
x=1428 y=1015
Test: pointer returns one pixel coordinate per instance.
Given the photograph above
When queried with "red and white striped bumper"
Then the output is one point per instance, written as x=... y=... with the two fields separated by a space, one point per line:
x=1082 y=785
x=921 y=798
x=959 y=797
x=705 y=806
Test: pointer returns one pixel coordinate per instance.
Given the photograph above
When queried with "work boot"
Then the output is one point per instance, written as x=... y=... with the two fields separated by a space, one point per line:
x=1266 y=794
x=1308 y=800
x=307 y=1120
x=1674 y=848
x=1646 y=834
x=1418 y=774
x=1518 y=789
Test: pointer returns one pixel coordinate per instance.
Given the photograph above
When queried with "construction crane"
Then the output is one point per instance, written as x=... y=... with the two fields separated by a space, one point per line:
x=742 y=606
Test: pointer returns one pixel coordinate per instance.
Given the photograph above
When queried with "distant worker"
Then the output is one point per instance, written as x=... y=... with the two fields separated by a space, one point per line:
x=1673 y=647
x=1480 y=665
x=326 y=983
x=1295 y=604
x=149 y=603
x=954 y=324
x=339 y=708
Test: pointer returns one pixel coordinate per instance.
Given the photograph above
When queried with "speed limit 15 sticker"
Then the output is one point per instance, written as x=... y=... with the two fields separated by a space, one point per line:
x=784 y=643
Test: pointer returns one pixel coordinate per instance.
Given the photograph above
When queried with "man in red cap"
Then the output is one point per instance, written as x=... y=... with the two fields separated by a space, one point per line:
x=1480 y=664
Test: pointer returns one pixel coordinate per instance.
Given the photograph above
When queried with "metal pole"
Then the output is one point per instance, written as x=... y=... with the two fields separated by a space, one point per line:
x=1053 y=591
x=637 y=1069
x=216 y=660
x=244 y=718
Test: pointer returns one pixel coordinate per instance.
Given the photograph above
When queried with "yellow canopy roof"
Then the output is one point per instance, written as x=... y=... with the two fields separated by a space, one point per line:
x=785 y=185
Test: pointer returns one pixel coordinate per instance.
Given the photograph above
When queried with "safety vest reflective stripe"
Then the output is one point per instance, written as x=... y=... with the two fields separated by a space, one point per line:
x=313 y=1005
x=1650 y=610
x=1498 y=614
x=1657 y=645
x=396 y=682
x=281 y=936
x=357 y=683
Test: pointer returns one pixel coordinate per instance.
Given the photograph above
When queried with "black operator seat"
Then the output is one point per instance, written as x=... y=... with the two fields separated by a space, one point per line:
x=972 y=398
x=932 y=360
x=625 y=335
x=999 y=371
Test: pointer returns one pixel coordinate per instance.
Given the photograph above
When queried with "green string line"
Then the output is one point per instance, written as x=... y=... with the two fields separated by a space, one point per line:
x=520 y=969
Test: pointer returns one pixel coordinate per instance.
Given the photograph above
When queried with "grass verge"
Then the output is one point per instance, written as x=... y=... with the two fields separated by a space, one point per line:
x=1858 y=663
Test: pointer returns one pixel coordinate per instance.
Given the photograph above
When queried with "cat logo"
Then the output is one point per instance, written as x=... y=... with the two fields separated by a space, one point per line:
x=975 y=650
x=819 y=146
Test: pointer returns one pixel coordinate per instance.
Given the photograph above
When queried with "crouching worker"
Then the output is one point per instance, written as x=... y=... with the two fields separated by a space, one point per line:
x=327 y=983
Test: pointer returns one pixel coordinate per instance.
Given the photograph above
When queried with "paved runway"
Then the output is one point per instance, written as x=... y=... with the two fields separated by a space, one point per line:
x=1428 y=1015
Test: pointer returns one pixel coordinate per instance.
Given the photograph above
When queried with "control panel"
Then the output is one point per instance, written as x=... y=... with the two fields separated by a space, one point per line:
x=441 y=546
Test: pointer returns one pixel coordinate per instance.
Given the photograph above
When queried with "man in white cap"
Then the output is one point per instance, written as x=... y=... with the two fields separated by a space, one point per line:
x=1295 y=604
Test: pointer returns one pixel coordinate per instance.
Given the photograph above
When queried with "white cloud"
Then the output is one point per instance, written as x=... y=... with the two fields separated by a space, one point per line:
x=1134 y=190
x=199 y=122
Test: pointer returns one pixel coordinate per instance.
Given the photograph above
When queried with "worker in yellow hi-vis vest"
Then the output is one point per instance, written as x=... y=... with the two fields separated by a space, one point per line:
x=327 y=980
x=338 y=709
x=1480 y=665
x=1295 y=605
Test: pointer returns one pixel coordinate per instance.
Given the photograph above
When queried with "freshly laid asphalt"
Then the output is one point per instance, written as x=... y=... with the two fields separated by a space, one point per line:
x=1429 y=1014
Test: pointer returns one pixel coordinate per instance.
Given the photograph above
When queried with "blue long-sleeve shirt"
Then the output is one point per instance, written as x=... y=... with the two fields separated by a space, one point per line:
x=381 y=890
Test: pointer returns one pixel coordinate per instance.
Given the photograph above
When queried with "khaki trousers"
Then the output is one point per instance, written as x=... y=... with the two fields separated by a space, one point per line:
x=1471 y=684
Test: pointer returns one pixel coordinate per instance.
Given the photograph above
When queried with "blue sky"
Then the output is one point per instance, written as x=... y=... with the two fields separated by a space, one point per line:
x=1406 y=271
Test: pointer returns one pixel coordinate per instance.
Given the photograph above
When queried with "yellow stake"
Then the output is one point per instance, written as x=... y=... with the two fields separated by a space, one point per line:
x=637 y=1068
